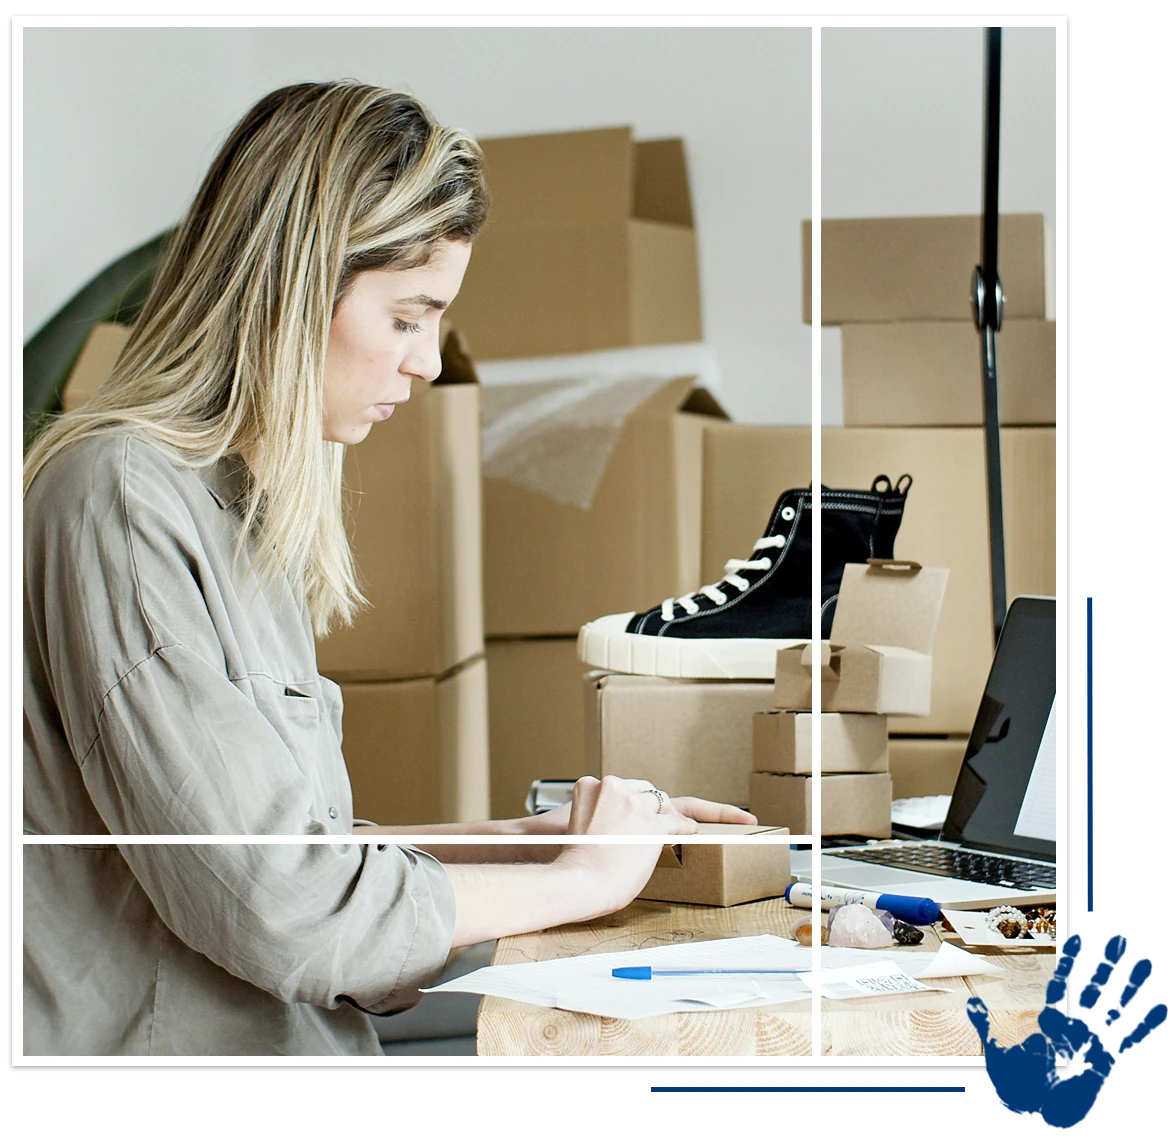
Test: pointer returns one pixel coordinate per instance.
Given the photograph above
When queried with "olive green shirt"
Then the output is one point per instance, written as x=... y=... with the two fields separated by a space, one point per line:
x=166 y=692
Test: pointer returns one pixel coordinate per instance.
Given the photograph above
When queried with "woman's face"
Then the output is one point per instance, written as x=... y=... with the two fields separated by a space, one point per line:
x=385 y=333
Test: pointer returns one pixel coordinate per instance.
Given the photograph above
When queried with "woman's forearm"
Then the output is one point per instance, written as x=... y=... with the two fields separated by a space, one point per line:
x=497 y=900
x=508 y=828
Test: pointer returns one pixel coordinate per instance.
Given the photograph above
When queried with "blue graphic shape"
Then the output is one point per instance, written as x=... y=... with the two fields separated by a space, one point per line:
x=1115 y=1039
x=1089 y=754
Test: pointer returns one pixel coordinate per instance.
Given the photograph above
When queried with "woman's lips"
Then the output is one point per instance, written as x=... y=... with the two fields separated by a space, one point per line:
x=385 y=410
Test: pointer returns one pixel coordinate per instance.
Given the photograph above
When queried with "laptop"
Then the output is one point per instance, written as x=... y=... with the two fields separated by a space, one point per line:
x=998 y=843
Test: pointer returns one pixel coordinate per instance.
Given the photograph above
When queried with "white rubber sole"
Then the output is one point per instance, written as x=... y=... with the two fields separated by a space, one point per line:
x=609 y=649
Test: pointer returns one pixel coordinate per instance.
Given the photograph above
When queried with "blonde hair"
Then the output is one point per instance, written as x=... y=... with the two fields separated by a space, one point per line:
x=317 y=183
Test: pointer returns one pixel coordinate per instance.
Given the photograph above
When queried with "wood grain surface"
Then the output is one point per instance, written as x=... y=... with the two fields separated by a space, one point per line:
x=926 y=1023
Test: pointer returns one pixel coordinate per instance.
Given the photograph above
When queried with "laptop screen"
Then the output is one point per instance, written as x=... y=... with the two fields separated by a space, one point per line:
x=1005 y=795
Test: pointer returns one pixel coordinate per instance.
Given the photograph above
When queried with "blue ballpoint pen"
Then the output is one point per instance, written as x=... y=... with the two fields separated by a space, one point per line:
x=649 y=973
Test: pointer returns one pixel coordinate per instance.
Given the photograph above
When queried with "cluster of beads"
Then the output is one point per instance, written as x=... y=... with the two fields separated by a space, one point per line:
x=1014 y=924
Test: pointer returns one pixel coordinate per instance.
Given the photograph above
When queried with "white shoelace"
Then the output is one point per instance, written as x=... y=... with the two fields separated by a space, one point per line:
x=732 y=576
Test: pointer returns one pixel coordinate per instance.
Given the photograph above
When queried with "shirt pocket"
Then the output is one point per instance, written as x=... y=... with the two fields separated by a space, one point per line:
x=307 y=715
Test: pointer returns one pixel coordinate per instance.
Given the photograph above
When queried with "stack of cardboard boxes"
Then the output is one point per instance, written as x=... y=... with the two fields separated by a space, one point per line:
x=412 y=667
x=899 y=290
x=591 y=247
x=878 y=663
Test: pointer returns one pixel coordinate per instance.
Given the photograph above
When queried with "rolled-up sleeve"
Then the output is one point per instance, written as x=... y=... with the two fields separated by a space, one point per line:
x=323 y=924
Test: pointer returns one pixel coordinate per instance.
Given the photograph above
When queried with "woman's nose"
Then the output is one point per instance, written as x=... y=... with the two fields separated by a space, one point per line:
x=424 y=359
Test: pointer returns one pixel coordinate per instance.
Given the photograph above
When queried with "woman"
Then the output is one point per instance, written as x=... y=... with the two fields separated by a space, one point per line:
x=184 y=543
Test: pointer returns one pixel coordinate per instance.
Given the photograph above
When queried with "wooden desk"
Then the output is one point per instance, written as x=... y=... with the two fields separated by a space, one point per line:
x=933 y=1023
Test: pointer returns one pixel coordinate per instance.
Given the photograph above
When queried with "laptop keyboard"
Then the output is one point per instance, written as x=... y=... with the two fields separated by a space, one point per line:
x=982 y=868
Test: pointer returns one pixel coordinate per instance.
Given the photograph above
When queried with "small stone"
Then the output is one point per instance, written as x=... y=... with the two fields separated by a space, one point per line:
x=856 y=926
x=802 y=933
x=907 y=934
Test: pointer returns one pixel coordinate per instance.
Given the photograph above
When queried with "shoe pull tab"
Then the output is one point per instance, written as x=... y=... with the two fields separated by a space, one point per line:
x=882 y=485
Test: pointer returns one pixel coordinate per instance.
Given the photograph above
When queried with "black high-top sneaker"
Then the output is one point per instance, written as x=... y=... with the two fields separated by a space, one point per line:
x=732 y=628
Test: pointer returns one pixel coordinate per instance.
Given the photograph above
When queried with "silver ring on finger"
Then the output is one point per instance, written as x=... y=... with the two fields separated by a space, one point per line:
x=662 y=798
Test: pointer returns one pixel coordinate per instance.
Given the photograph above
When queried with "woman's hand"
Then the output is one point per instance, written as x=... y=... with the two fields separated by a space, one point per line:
x=680 y=814
x=619 y=872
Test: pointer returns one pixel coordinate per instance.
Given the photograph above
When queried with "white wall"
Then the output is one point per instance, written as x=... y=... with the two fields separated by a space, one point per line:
x=120 y=124
x=902 y=133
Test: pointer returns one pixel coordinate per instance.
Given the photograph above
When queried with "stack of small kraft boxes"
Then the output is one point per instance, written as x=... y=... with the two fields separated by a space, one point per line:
x=877 y=663
x=591 y=247
x=898 y=289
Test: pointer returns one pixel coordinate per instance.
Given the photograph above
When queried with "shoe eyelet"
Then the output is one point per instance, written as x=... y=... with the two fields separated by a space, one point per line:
x=788 y=513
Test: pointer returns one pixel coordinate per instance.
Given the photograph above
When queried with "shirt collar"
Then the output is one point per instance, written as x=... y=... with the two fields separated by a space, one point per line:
x=225 y=479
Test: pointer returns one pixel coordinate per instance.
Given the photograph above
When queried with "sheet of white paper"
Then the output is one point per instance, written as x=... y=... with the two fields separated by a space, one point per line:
x=973 y=930
x=921 y=812
x=946 y=960
x=585 y=983
x=1038 y=812
x=878 y=977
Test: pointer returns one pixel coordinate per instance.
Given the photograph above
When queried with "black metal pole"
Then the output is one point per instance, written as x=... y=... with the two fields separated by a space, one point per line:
x=987 y=307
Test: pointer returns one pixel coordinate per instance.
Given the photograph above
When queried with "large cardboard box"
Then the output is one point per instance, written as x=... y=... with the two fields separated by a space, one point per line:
x=850 y=743
x=691 y=739
x=919 y=269
x=852 y=804
x=746 y=468
x=925 y=766
x=536 y=718
x=417 y=750
x=415 y=526
x=590 y=245
x=945 y=525
x=928 y=373
x=552 y=566
x=94 y=363
x=878 y=660
x=721 y=874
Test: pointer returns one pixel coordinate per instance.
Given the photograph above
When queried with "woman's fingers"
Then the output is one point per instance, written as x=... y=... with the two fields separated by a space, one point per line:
x=713 y=811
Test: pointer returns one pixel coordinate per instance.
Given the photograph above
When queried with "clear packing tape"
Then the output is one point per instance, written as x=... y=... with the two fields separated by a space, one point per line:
x=557 y=437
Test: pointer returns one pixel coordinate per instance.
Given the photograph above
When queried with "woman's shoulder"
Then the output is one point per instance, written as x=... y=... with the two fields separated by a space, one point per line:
x=105 y=469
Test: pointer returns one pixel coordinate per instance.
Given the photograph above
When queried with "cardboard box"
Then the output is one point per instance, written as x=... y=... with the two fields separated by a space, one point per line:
x=417 y=750
x=925 y=766
x=590 y=245
x=721 y=874
x=853 y=804
x=746 y=468
x=850 y=743
x=94 y=363
x=536 y=718
x=878 y=659
x=415 y=527
x=945 y=525
x=688 y=738
x=550 y=567
x=919 y=269
x=928 y=373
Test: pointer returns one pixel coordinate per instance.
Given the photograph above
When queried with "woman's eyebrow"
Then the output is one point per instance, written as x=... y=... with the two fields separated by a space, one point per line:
x=423 y=299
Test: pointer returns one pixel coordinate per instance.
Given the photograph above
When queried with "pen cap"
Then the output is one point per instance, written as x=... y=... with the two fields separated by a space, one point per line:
x=912 y=909
x=632 y=973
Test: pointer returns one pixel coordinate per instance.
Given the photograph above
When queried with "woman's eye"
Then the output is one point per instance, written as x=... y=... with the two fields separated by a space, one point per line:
x=406 y=326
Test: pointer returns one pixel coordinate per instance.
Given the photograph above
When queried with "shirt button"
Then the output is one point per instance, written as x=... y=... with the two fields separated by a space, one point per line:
x=332 y=812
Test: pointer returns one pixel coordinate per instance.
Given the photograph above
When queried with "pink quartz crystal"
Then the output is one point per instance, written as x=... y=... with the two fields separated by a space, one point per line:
x=857 y=926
